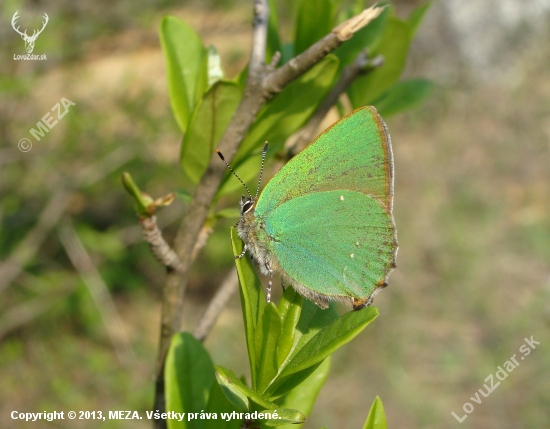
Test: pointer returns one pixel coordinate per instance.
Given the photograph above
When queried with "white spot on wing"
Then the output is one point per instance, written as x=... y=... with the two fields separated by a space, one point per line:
x=352 y=255
x=357 y=243
x=341 y=198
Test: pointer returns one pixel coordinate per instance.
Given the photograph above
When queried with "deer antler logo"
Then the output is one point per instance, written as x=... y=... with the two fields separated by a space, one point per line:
x=29 y=40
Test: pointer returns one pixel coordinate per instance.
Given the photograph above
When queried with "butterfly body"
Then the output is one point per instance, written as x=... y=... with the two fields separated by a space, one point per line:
x=324 y=222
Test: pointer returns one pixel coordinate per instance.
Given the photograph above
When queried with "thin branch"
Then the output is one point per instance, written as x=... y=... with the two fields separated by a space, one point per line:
x=208 y=319
x=159 y=247
x=25 y=251
x=259 y=40
x=99 y=292
x=27 y=248
x=29 y=310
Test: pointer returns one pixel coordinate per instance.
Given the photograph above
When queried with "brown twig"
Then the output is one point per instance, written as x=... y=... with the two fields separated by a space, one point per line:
x=159 y=247
x=228 y=287
x=99 y=292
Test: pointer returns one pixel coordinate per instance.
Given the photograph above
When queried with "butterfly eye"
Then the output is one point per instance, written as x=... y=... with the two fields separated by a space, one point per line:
x=248 y=205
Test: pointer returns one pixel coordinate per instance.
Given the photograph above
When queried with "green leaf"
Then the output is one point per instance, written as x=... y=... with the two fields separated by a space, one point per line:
x=252 y=295
x=377 y=416
x=416 y=17
x=287 y=52
x=303 y=397
x=403 y=95
x=366 y=38
x=235 y=390
x=284 y=416
x=282 y=385
x=394 y=46
x=188 y=378
x=183 y=195
x=314 y=21
x=266 y=338
x=229 y=213
x=287 y=112
x=312 y=320
x=290 y=308
x=218 y=403
x=273 y=40
x=206 y=127
x=329 y=339
x=184 y=58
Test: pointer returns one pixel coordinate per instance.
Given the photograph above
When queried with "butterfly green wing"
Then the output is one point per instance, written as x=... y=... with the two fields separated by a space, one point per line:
x=354 y=154
x=337 y=243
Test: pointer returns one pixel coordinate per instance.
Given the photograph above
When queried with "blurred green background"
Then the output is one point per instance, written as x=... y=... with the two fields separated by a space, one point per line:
x=472 y=207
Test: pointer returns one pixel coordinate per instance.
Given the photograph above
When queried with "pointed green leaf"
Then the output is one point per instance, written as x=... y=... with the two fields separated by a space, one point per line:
x=229 y=213
x=281 y=116
x=252 y=298
x=287 y=52
x=314 y=21
x=290 y=308
x=377 y=416
x=207 y=125
x=329 y=339
x=284 y=416
x=312 y=320
x=273 y=40
x=303 y=396
x=266 y=338
x=218 y=403
x=367 y=38
x=282 y=385
x=237 y=389
x=394 y=46
x=188 y=378
x=403 y=95
x=232 y=388
x=416 y=17
x=183 y=53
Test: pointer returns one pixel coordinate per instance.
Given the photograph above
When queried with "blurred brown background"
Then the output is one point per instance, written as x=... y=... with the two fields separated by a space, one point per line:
x=472 y=207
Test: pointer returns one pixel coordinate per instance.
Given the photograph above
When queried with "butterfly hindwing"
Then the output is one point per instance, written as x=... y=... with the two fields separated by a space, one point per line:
x=340 y=244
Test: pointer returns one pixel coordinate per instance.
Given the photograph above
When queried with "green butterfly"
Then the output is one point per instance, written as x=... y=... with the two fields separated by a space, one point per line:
x=324 y=222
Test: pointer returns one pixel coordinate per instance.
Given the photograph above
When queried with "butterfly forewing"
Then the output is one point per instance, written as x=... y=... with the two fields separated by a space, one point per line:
x=354 y=154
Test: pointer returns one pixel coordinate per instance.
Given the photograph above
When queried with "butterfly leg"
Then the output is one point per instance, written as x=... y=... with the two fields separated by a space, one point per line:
x=242 y=253
x=270 y=281
x=282 y=284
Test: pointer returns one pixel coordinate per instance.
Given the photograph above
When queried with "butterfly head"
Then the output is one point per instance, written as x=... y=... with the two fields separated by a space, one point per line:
x=246 y=205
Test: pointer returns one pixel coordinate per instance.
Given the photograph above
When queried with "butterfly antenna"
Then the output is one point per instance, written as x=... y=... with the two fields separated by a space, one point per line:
x=264 y=153
x=233 y=171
